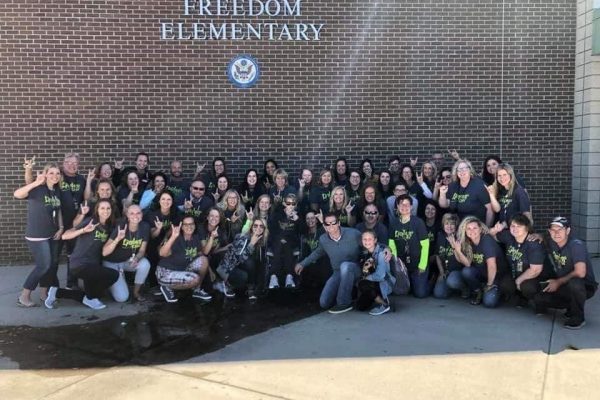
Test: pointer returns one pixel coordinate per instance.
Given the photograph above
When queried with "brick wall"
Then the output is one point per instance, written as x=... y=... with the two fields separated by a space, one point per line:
x=388 y=77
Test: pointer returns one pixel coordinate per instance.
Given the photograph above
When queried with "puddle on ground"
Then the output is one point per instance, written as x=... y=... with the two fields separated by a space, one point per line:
x=166 y=333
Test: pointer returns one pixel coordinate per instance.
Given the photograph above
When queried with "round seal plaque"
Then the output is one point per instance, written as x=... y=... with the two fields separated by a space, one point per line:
x=243 y=71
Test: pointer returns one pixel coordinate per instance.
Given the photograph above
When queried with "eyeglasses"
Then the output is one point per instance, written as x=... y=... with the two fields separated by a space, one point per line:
x=290 y=203
x=462 y=169
x=330 y=223
x=446 y=176
x=198 y=188
x=371 y=212
x=189 y=224
x=261 y=226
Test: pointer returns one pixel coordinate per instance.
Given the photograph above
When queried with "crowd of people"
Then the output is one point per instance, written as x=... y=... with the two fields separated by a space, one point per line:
x=358 y=234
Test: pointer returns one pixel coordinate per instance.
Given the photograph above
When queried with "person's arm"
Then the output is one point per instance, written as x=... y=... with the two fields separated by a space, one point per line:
x=424 y=259
x=489 y=215
x=312 y=257
x=460 y=256
x=88 y=193
x=165 y=249
x=532 y=272
x=75 y=232
x=147 y=198
x=61 y=227
x=22 y=192
x=492 y=269
x=579 y=271
x=443 y=201
x=127 y=201
x=392 y=246
x=426 y=191
x=440 y=265
x=28 y=165
x=493 y=200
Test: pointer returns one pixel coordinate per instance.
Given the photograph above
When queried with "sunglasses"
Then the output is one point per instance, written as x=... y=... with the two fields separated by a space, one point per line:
x=198 y=188
x=287 y=203
x=258 y=226
x=446 y=176
x=371 y=212
x=330 y=223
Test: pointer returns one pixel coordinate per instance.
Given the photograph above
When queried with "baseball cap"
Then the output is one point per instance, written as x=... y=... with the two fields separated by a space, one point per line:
x=560 y=221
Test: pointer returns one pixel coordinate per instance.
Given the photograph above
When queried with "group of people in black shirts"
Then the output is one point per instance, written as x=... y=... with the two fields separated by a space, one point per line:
x=361 y=235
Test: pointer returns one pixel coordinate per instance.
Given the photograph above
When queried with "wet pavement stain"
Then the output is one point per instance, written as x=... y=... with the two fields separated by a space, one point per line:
x=166 y=333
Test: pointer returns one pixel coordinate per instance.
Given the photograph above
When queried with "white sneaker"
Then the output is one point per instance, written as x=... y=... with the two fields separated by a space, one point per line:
x=94 y=304
x=51 y=299
x=273 y=283
x=289 y=281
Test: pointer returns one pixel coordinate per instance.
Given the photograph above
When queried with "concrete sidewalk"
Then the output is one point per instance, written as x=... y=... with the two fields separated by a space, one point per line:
x=426 y=349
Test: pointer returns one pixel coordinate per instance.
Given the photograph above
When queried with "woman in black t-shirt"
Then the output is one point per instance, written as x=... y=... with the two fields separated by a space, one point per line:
x=251 y=189
x=86 y=260
x=43 y=232
x=483 y=259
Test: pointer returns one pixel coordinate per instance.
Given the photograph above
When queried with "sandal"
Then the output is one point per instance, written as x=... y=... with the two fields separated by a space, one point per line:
x=26 y=305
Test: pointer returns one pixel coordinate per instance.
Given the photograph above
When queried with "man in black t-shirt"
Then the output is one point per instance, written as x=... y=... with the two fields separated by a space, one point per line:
x=574 y=280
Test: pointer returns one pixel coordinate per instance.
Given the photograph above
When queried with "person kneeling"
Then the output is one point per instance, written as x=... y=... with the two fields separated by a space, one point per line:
x=377 y=281
x=181 y=267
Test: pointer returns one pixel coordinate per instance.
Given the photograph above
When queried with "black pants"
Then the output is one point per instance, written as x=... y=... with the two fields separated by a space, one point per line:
x=96 y=279
x=367 y=293
x=283 y=260
x=70 y=245
x=572 y=296
x=250 y=273
x=512 y=296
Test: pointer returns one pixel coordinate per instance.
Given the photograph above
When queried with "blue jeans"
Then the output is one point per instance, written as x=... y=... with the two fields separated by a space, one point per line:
x=45 y=255
x=338 y=288
x=454 y=281
x=419 y=281
x=475 y=277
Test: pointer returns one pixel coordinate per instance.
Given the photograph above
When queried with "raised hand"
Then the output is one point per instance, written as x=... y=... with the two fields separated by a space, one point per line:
x=235 y=217
x=216 y=195
x=491 y=190
x=84 y=209
x=443 y=189
x=121 y=233
x=91 y=175
x=158 y=223
x=119 y=163
x=453 y=242
x=176 y=230
x=135 y=186
x=413 y=161
x=320 y=216
x=420 y=178
x=349 y=208
x=90 y=227
x=301 y=183
x=187 y=205
x=245 y=198
x=28 y=164
x=215 y=233
x=200 y=167
x=41 y=178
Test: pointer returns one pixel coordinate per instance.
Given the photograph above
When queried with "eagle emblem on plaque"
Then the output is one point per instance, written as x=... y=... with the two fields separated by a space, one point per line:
x=243 y=71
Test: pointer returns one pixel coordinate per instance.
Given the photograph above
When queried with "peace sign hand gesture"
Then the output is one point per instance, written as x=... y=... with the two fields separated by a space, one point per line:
x=84 y=208
x=91 y=175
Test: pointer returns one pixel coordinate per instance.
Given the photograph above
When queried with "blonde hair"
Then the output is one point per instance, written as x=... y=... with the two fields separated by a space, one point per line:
x=450 y=218
x=265 y=236
x=240 y=210
x=513 y=179
x=455 y=168
x=257 y=209
x=466 y=245
x=433 y=167
x=332 y=203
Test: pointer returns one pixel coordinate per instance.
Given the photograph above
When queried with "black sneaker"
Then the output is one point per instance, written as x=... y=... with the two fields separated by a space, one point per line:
x=539 y=309
x=338 y=309
x=477 y=297
x=574 y=323
x=168 y=294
